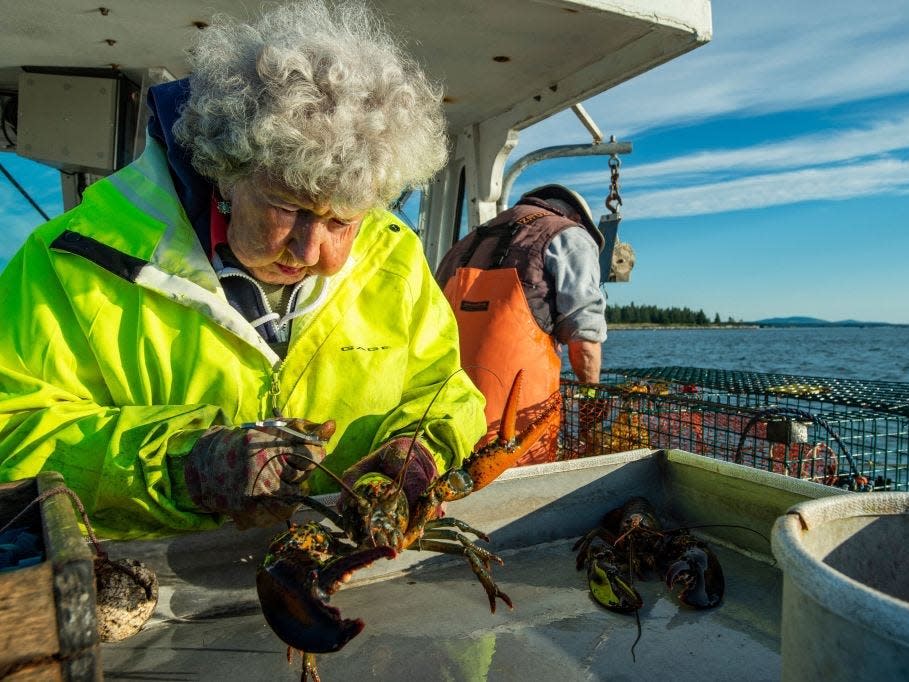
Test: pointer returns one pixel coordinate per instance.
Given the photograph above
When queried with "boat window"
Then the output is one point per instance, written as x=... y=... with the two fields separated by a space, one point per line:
x=407 y=208
x=30 y=192
x=461 y=216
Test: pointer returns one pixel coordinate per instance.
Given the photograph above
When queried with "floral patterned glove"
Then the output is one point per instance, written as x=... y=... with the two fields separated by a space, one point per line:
x=388 y=461
x=254 y=475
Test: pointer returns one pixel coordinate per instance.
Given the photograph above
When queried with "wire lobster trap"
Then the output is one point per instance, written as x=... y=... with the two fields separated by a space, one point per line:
x=841 y=432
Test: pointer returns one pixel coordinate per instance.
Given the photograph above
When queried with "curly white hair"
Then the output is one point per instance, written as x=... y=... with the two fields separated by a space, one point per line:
x=319 y=97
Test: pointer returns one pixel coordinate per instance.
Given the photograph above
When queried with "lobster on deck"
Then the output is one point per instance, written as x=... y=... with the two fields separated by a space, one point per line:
x=630 y=542
x=307 y=563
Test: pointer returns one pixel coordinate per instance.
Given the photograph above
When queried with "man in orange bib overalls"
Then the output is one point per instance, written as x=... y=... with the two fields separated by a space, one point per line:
x=520 y=285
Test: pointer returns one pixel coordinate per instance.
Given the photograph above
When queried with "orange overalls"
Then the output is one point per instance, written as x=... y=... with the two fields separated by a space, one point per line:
x=498 y=331
x=499 y=337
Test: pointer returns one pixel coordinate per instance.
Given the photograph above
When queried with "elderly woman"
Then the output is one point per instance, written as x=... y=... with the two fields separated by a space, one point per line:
x=244 y=267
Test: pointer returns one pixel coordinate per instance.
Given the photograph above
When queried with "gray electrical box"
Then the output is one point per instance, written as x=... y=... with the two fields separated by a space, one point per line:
x=69 y=122
x=787 y=431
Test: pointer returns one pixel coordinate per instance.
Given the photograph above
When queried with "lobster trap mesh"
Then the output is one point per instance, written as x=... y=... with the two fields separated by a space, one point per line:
x=848 y=433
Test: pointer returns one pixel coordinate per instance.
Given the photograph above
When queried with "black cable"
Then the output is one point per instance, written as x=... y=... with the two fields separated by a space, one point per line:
x=4 y=119
x=23 y=192
x=801 y=414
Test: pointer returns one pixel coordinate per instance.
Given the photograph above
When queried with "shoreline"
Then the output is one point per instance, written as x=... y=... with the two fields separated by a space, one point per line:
x=619 y=326
x=623 y=326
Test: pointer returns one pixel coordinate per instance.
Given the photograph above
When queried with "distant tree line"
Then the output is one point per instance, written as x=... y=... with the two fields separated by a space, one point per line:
x=651 y=314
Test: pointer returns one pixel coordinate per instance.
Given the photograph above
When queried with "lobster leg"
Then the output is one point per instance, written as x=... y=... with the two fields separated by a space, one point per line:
x=450 y=537
x=479 y=567
x=308 y=669
x=449 y=522
x=443 y=540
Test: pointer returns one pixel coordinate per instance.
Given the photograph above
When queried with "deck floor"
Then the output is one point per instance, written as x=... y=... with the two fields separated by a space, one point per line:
x=434 y=623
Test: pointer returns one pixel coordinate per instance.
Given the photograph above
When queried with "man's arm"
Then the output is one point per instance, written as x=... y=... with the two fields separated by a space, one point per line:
x=585 y=358
x=572 y=261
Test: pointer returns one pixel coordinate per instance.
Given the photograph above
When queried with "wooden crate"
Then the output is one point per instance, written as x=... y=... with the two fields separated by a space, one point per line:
x=48 y=627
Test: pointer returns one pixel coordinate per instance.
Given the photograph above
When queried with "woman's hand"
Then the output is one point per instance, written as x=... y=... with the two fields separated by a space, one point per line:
x=254 y=475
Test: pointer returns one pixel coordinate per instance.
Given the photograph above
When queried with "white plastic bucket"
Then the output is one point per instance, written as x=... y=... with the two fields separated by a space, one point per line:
x=845 y=563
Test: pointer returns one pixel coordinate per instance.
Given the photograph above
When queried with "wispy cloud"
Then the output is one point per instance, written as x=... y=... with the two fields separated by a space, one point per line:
x=764 y=58
x=883 y=137
x=773 y=189
x=832 y=165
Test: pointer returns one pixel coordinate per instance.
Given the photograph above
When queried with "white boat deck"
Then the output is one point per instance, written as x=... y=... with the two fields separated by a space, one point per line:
x=427 y=617
x=435 y=624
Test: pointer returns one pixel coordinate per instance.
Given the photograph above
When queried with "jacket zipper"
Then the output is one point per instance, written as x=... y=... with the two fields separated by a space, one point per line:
x=281 y=325
x=274 y=391
x=233 y=272
x=274 y=379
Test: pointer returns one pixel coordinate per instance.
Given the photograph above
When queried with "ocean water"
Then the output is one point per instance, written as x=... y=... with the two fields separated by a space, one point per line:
x=869 y=353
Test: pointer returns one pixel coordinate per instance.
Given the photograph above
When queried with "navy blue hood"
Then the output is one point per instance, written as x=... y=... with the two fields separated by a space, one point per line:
x=165 y=102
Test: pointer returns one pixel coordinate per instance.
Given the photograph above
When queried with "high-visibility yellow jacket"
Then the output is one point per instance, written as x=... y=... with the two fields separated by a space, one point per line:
x=118 y=349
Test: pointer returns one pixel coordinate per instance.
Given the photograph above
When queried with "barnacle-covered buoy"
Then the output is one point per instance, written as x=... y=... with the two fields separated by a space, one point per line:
x=127 y=593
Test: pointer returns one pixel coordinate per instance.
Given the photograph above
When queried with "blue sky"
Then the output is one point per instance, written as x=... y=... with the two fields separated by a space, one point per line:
x=770 y=172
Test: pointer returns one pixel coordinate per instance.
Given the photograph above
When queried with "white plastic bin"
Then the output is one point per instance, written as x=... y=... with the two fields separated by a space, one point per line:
x=845 y=563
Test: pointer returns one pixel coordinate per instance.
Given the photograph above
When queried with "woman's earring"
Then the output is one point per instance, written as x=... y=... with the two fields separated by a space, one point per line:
x=224 y=207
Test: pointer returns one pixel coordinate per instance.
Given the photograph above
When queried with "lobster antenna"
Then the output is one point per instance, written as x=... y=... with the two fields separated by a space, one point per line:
x=665 y=531
x=485 y=369
x=637 y=620
x=717 y=525
x=637 y=615
x=331 y=474
x=399 y=482
x=643 y=529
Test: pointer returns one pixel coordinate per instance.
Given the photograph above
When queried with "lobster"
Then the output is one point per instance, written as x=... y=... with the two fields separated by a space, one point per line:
x=630 y=542
x=308 y=563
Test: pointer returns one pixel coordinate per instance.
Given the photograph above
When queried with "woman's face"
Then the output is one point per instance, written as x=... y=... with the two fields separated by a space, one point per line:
x=282 y=237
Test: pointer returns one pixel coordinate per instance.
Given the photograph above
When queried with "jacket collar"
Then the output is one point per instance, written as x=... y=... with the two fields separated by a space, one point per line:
x=165 y=102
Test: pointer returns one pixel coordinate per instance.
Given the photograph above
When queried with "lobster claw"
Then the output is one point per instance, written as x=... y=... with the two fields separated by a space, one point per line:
x=608 y=585
x=294 y=587
x=697 y=574
x=611 y=589
x=488 y=463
